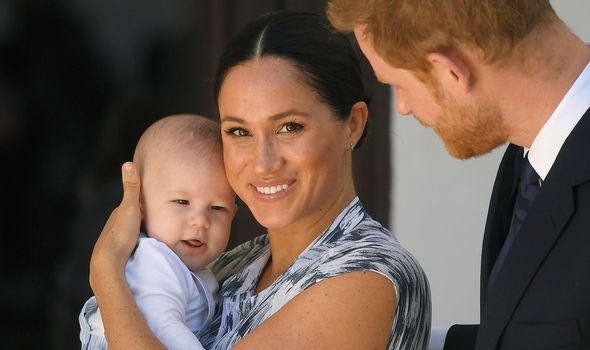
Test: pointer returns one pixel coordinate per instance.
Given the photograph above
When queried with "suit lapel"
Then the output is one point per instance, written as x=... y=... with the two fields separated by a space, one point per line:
x=545 y=222
x=499 y=213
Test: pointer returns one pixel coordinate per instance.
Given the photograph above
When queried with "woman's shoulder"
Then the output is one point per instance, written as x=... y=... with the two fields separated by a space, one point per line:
x=368 y=246
x=364 y=234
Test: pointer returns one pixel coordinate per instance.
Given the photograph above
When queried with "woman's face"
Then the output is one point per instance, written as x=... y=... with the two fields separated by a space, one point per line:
x=286 y=155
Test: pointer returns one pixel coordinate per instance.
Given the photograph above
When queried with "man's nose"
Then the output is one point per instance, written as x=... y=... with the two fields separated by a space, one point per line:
x=401 y=103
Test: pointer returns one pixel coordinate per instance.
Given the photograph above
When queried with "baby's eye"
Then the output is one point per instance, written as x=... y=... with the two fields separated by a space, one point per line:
x=182 y=201
x=239 y=132
x=290 y=127
x=217 y=207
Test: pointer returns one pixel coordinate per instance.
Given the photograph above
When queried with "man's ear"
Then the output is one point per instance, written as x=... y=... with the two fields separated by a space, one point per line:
x=357 y=121
x=451 y=71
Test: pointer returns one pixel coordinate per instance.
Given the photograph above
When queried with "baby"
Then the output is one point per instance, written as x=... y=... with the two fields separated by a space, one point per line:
x=187 y=208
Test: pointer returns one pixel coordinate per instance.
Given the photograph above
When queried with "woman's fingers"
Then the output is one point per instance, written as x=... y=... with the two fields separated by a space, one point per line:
x=119 y=235
x=121 y=231
x=129 y=213
x=130 y=185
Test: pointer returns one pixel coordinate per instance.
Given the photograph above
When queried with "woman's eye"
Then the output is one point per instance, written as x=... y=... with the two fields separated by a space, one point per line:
x=290 y=127
x=182 y=201
x=238 y=132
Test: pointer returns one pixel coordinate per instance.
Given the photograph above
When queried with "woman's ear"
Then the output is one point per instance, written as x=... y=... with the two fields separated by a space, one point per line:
x=357 y=121
x=451 y=71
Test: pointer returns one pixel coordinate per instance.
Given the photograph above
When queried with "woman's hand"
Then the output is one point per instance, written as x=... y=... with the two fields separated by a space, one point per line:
x=119 y=235
x=125 y=327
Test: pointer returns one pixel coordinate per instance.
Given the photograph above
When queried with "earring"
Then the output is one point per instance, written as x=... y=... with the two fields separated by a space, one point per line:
x=351 y=146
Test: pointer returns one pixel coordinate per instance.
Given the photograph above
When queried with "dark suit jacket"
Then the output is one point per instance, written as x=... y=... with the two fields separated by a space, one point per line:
x=541 y=298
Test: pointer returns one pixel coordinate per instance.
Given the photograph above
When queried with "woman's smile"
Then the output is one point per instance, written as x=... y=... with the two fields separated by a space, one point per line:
x=273 y=192
x=271 y=189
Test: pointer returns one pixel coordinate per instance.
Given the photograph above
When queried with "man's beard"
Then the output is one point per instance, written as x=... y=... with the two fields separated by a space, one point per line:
x=467 y=130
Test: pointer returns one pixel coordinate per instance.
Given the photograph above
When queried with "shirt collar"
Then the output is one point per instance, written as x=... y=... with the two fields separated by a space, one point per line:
x=548 y=142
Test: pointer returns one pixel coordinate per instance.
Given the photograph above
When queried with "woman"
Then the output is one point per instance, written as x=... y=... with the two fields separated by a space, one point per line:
x=326 y=275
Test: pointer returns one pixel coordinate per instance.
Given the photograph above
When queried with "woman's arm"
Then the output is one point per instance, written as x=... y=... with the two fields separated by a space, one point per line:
x=351 y=311
x=124 y=325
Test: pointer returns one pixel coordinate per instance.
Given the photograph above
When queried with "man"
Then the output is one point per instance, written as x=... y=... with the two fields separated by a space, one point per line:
x=483 y=73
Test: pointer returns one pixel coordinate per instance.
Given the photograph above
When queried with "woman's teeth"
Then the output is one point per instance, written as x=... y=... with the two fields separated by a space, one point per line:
x=271 y=189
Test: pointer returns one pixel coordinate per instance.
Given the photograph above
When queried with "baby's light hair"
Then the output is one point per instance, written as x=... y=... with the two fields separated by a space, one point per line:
x=186 y=133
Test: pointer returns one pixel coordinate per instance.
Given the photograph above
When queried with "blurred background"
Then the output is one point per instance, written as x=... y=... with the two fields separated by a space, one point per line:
x=79 y=81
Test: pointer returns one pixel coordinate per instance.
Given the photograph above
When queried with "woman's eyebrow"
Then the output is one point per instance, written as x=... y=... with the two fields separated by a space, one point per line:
x=274 y=117
x=229 y=118
x=288 y=113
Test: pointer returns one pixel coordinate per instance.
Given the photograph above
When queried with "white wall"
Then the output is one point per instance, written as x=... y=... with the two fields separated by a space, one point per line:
x=439 y=204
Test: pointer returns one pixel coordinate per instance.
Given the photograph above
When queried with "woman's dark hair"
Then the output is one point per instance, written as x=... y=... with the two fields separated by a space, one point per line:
x=326 y=58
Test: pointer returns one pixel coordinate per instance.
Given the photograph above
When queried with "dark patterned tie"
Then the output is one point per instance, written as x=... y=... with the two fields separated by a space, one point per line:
x=528 y=187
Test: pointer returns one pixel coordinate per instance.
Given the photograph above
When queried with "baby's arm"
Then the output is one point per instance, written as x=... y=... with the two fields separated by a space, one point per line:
x=162 y=287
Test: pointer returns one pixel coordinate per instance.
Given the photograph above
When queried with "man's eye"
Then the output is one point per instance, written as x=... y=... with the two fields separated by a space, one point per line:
x=290 y=127
x=182 y=201
x=239 y=132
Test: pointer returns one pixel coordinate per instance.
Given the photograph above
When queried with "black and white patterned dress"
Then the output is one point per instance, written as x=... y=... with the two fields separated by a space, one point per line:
x=354 y=242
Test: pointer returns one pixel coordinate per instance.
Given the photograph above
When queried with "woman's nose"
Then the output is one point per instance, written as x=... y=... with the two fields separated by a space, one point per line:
x=267 y=156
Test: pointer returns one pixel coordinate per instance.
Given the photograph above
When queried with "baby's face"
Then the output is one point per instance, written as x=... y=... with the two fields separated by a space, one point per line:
x=189 y=205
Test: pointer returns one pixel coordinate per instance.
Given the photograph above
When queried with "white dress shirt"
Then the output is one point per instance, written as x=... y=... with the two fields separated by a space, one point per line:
x=553 y=134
